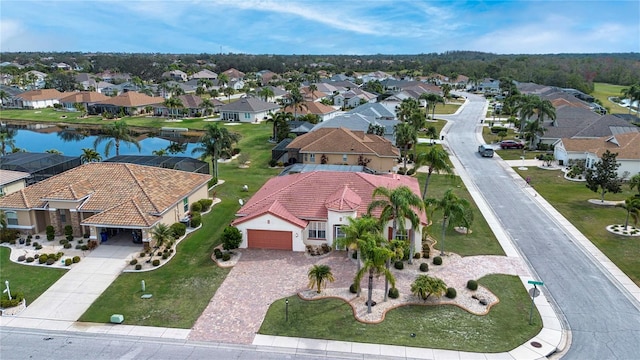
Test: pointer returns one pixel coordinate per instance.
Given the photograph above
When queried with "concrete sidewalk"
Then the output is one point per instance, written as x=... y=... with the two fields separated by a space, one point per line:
x=70 y=296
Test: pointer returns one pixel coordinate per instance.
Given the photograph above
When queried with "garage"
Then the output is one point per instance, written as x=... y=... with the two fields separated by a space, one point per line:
x=270 y=239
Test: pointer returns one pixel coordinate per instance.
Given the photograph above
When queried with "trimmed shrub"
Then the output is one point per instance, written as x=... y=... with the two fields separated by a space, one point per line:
x=12 y=241
x=38 y=247
x=217 y=253
x=36 y=256
x=165 y=256
x=426 y=252
x=472 y=285
x=68 y=246
x=143 y=254
x=58 y=255
x=273 y=163
x=133 y=261
x=196 y=219
x=85 y=247
x=411 y=171
x=17 y=297
x=156 y=262
x=80 y=241
x=86 y=235
x=212 y=182
x=30 y=259
x=206 y=204
x=51 y=232
x=69 y=238
x=21 y=258
x=159 y=253
x=63 y=241
x=451 y=293
x=68 y=262
x=424 y=267
x=68 y=230
x=394 y=293
x=76 y=259
x=138 y=267
x=353 y=289
x=43 y=258
x=417 y=255
x=398 y=265
x=437 y=260
x=231 y=238
x=51 y=261
x=226 y=257
x=196 y=207
x=78 y=247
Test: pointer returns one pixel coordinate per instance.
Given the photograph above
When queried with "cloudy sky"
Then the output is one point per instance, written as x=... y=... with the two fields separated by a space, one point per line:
x=320 y=26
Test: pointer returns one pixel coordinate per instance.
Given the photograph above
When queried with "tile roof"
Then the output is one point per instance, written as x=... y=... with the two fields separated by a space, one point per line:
x=9 y=176
x=312 y=107
x=132 y=98
x=342 y=140
x=626 y=145
x=39 y=95
x=308 y=196
x=191 y=101
x=84 y=97
x=103 y=186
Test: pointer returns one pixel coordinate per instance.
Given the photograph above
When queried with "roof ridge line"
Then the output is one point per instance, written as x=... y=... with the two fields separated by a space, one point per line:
x=126 y=165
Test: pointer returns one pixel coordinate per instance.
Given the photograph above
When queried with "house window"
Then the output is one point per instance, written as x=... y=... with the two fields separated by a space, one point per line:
x=317 y=230
x=400 y=234
x=312 y=158
x=185 y=204
x=12 y=218
x=344 y=157
x=247 y=115
x=63 y=216
x=338 y=233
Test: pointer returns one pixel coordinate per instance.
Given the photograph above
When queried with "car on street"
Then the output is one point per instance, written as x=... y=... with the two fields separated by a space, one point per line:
x=511 y=144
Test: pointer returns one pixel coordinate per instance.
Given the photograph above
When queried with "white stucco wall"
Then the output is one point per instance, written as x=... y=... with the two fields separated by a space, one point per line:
x=272 y=223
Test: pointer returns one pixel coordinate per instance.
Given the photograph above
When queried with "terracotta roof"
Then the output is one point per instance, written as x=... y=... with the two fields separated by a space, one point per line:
x=102 y=186
x=84 y=97
x=42 y=94
x=627 y=145
x=132 y=98
x=344 y=141
x=304 y=197
x=312 y=107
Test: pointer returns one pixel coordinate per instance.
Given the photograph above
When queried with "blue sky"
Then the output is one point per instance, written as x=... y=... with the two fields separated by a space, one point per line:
x=320 y=26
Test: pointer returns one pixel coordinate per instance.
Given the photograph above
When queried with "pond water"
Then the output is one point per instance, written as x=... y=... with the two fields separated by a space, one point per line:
x=71 y=142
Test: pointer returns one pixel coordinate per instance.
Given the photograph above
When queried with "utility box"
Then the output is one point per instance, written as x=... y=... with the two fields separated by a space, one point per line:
x=117 y=318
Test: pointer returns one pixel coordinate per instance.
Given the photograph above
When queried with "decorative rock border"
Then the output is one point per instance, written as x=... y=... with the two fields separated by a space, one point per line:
x=630 y=231
x=235 y=257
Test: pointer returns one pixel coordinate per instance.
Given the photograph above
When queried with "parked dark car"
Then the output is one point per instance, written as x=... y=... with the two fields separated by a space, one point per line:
x=511 y=144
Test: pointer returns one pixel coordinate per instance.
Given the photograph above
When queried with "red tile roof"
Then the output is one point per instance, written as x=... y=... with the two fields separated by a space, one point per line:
x=132 y=99
x=299 y=198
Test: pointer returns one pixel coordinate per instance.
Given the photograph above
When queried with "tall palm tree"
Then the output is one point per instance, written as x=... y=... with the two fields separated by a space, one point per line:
x=7 y=139
x=223 y=80
x=531 y=131
x=318 y=276
x=436 y=158
x=266 y=93
x=313 y=88
x=634 y=183
x=296 y=100
x=376 y=256
x=216 y=141
x=229 y=91
x=281 y=125
x=173 y=103
x=161 y=233
x=632 y=206
x=355 y=231
x=207 y=105
x=3 y=96
x=454 y=210
x=114 y=134
x=446 y=90
x=633 y=94
x=90 y=155
x=406 y=108
x=406 y=136
x=176 y=148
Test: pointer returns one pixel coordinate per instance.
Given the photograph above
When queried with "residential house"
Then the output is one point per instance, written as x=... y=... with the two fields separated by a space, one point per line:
x=38 y=99
x=103 y=197
x=359 y=122
x=130 y=102
x=376 y=110
x=353 y=98
x=61 y=66
x=12 y=181
x=175 y=75
x=489 y=86
x=234 y=74
x=626 y=145
x=265 y=76
x=39 y=166
x=109 y=76
x=294 y=211
x=191 y=107
x=325 y=112
x=204 y=74
x=86 y=98
x=12 y=93
x=35 y=79
x=247 y=109
x=345 y=147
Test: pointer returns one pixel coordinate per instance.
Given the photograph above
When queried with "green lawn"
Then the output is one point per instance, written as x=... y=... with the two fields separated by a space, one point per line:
x=438 y=124
x=32 y=281
x=446 y=109
x=183 y=288
x=440 y=327
x=570 y=199
x=603 y=91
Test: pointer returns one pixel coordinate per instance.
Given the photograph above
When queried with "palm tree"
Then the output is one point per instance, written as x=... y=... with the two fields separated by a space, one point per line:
x=207 y=105
x=357 y=229
x=531 y=131
x=406 y=108
x=229 y=91
x=160 y=152
x=437 y=159
x=318 y=276
x=454 y=210
x=375 y=257
x=446 y=90
x=281 y=125
x=633 y=94
x=313 y=88
x=176 y=148
x=161 y=233
x=424 y=286
x=173 y=103
x=632 y=206
x=7 y=139
x=54 y=151
x=3 y=96
x=223 y=80
x=296 y=101
x=216 y=141
x=266 y=93
x=398 y=205
x=90 y=155
x=634 y=182
x=114 y=134
x=406 y=136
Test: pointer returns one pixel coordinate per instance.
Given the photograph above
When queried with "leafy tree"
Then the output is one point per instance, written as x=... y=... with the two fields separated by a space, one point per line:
x=437 y=159
x=90 y=155
x=424 y=286
x=231 y=238
x=375 y=129
x=446 y=90
x=455 y=210
x=159 y=152
x=223 y=80
x=632 y=206
x=80 y=108
x=634 y=183
x=4 y=96
x=114 y=134
x=161 y=233
x=603 y=176
x=318 y=276
x=217 y=141
x=7 y=139
x=54 y=151
x=432 y=133
x=60 y=80
x=375 y=256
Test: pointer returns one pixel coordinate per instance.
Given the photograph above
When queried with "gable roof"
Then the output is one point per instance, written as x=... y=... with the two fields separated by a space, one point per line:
x=627 y=145
x=311 y=107
x=132 y=98
x=204 y=74
x=344 y=141
x=99 y=187
x=9 y=176
x=249 y=104
x=309 y=196
x=41 y=94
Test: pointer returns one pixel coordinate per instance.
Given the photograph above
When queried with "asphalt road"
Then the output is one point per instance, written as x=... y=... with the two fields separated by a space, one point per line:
x=604 y=322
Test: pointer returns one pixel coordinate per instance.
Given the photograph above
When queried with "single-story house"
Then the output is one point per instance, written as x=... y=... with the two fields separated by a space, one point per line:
x=626 y=145
x=99 y=197
x=248 y=109
x=292 y=211
x=130 y=102
x=85 y=98
x=358 y=122
x=12 y=181
x=344 y=147
x=205 y=74
x=38 y=99
x=325 y=112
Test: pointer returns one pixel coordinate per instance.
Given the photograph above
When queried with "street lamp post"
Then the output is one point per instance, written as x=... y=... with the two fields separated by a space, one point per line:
x=286 y=310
